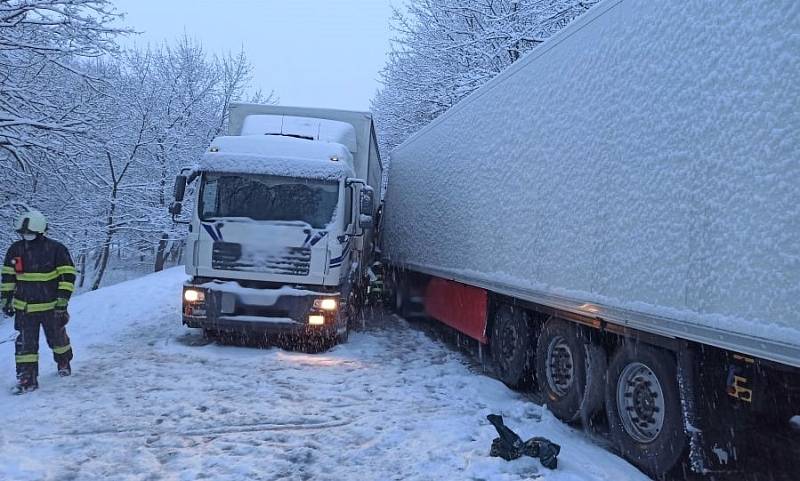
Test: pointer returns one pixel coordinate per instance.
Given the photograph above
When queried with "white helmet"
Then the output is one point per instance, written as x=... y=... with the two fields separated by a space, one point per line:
x=33 y=221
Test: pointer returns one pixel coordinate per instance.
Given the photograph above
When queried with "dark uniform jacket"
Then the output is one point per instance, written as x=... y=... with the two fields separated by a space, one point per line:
x=37 y=276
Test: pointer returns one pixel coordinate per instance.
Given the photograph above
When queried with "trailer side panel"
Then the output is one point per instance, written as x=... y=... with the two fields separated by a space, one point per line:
x=644 y=158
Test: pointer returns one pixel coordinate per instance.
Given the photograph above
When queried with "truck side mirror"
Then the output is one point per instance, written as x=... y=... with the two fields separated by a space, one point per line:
x=180 y=188
x=367 y=200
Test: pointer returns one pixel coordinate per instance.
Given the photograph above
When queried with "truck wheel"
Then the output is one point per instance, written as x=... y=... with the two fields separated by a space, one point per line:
x=512 y=346
x=644 y=408
x=343 y=337
x=350 y=319
x=570 y=371
x=400 y=301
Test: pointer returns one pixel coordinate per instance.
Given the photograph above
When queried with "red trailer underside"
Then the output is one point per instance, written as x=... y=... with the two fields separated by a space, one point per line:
x=460 y=306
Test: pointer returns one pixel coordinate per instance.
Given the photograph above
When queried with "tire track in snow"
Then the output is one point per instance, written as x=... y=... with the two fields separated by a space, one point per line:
x=229 y=429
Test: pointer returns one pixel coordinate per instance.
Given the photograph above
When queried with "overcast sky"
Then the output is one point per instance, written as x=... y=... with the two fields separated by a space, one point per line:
x=317 y=53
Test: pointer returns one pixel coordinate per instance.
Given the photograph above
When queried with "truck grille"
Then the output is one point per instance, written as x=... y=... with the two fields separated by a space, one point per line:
x=290 y=261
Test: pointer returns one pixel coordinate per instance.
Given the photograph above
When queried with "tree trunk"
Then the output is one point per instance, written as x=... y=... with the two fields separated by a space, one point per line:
x=176 y=251
x=161 y=253
x=82 y=272
x=102 y=261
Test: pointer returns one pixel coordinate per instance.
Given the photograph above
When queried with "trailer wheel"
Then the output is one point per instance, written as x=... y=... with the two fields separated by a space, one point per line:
x=570 y=371
x=644 y=408
x=512 y=346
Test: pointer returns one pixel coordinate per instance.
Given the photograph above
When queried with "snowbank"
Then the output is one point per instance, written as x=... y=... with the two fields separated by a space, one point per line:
x=149 y=401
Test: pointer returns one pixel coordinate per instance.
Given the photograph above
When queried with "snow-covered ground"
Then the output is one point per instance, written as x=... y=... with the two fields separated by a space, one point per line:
x=147 y=401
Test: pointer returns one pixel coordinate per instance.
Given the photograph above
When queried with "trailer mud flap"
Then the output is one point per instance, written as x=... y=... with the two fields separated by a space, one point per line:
x=459 y=306
x=698 y=457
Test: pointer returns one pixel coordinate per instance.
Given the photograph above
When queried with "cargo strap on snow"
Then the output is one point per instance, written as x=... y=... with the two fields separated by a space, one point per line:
x=26 y=358
x=62 y=349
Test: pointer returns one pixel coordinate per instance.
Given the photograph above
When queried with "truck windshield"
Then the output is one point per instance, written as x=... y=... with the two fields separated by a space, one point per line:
x=268 y=198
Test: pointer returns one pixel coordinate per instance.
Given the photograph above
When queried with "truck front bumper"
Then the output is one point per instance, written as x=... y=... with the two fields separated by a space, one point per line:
x=227 y=307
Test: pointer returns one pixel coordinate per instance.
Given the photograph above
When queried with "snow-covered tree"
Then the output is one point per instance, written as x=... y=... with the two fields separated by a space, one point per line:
x=39 y=42
x=164 y=106
x=93 y=135
x=445 y=49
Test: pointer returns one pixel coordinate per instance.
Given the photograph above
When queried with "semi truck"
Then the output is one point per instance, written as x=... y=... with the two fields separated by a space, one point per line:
x=282 y=224
x=615 y=219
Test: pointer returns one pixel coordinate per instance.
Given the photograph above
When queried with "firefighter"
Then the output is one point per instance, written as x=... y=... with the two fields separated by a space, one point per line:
x=38 y=278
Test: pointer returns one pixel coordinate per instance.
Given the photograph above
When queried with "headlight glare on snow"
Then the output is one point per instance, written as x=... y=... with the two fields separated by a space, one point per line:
x=325 y=304
x=194 y=295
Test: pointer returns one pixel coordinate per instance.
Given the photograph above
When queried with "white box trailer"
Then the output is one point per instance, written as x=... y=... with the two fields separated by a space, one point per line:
x=627 y=194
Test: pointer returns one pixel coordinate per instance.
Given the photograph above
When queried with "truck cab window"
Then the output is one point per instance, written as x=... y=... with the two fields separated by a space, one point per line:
x=268 y=198
x=208 y=200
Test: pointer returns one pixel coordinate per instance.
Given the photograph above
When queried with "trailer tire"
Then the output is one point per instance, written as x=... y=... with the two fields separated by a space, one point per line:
x=512 y=346
x=643 y=381
x=570 y=371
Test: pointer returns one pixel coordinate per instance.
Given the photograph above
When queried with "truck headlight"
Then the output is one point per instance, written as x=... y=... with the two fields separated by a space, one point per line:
x=316 y=319
x=326 y=304
x=194 y=295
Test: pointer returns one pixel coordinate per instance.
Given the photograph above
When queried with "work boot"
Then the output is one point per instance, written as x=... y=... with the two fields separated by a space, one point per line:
x=25 y=384
x=63 y=369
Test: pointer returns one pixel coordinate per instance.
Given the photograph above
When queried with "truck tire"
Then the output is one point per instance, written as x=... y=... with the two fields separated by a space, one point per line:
x=402 y=304
x=644 y=408
x=351 y=315
x=512 y=346
x=343 y=337
x=570 y=371
x=395 y=294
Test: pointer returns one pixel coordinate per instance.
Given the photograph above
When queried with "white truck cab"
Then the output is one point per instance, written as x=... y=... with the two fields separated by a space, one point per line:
x=281 y=229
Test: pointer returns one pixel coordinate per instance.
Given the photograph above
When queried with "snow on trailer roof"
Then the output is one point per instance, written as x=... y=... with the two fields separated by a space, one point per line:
x=272 y=155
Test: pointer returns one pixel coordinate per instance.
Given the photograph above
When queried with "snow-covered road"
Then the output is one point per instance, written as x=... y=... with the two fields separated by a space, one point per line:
x=148 y=402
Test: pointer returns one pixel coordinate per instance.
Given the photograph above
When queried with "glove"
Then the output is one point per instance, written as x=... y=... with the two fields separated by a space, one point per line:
x=8 y=310
x=62 y=317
